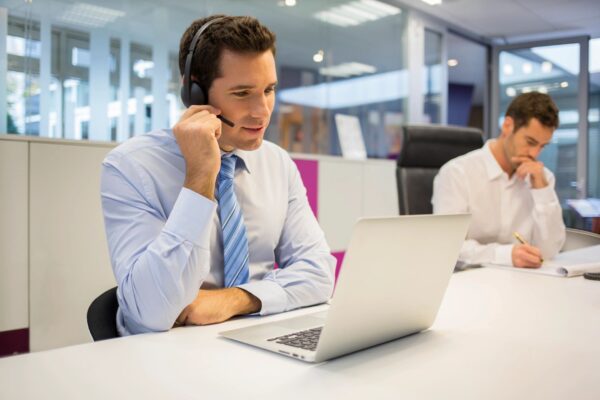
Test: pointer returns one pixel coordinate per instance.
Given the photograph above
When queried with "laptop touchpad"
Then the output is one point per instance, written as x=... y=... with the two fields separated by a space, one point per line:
x=303 y=322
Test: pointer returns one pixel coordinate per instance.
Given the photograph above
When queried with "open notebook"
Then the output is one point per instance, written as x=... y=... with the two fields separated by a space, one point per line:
x=567 y=264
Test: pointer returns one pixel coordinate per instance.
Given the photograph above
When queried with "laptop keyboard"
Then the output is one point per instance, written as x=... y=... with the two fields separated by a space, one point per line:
x=306 y=340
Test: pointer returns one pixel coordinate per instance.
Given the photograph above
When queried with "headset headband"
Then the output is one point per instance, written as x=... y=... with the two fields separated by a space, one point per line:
x=187 y=81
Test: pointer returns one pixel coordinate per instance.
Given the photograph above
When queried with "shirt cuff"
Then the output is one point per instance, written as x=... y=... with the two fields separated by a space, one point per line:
x=190 y=218
x=271 y=295
x=503 y=254
x=544 y=195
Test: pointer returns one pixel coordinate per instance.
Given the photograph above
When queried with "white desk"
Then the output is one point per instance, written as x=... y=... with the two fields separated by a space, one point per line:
x=499 y=335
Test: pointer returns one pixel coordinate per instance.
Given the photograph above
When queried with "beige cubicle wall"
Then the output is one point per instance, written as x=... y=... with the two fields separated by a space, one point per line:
x=53 y=253
x=69 y=263
x=13 y=235
x=53 y=257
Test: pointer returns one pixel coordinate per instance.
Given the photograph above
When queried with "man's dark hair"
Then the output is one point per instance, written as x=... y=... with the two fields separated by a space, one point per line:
x=237 y=34
x=533 y=105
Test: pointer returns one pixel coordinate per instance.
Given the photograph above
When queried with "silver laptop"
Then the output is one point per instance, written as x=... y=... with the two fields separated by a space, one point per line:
x=392 y=281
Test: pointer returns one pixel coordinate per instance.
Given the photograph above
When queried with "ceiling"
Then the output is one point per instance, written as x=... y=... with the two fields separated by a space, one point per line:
x=517 y=20
x=493 y=21
x=305 y=37
x=490 y=20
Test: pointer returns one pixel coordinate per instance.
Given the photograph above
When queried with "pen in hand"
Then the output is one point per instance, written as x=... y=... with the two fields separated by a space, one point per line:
x=523 y=241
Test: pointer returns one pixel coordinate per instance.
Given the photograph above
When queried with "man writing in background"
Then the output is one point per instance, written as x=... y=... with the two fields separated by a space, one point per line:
x=197 y=216
x=507 y=189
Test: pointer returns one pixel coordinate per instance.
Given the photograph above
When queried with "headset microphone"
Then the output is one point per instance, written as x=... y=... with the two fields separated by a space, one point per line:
x=191 y=91
x=225 y=120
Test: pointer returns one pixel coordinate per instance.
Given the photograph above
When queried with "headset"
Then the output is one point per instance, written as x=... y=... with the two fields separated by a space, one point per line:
x=191 y=91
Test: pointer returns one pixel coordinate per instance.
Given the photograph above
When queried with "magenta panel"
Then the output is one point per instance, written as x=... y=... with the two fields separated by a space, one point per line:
x=339 y=256
x=14 y=342
x=309 y=171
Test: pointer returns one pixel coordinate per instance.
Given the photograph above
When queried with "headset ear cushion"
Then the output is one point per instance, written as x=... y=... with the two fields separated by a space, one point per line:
x=197 y=95
x=184 y=97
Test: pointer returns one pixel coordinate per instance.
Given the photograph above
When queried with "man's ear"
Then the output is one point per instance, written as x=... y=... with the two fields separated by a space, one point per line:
x=508 y=126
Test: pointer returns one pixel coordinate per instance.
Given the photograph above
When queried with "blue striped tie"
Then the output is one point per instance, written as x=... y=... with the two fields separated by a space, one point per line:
x=235 y=243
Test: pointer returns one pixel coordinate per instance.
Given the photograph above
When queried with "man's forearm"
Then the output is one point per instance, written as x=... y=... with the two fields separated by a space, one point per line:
x=214 y=306
x=245 y=302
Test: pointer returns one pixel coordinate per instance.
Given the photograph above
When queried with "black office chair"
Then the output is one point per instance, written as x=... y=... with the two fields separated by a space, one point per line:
x=102 y=316
x=425 y=148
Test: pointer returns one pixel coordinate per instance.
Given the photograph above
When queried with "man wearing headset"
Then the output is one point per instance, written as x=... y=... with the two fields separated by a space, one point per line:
x=207 y=221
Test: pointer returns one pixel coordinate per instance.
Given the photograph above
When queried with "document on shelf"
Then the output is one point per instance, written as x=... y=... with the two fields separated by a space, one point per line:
x=566 y=264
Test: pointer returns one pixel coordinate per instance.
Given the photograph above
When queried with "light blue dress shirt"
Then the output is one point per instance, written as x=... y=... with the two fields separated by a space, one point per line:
x=165 y=240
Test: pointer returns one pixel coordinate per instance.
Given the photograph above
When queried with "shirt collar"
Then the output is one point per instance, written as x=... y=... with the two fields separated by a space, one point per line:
x=242 y=155
x=491 y=164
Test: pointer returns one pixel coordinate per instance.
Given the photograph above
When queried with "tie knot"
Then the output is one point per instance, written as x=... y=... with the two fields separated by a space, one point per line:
x=227 y=167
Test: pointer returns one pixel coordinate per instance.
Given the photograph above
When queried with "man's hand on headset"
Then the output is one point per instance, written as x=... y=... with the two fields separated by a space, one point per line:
x=197 y=132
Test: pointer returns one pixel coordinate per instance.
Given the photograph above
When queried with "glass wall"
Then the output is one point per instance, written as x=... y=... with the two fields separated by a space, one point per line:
x=467 y=82
x=554 y=70
x=73 y=55
x=23 y=49
x=594 y=121
x=333 y=57
x=141 y=70
x=433 y=77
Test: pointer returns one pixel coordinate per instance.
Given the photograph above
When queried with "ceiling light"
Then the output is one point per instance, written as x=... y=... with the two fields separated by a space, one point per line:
x=356 y=13
x=453 y=62
x=543 y=89
x=526 y=89
x=90 y=15
x=375 y=5
x=318 y=56
x=527 y=68
x=507 y=69
x=546 y=67
x=511 y=92
x=287 y=3
x=347 y=69
x=368 y=7
x=432 y=2
x=335 y=19
x=564 y=84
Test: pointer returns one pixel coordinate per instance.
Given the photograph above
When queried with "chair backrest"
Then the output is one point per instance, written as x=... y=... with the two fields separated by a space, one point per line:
x=577 y=239
x=425 y=148
x=102 y=316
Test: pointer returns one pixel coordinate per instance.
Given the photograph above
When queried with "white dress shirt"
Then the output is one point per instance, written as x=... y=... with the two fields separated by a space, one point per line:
x=165 y=240
x=475 y=183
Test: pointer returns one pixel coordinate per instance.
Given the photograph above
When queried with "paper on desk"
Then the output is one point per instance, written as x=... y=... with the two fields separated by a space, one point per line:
x=567 y=264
